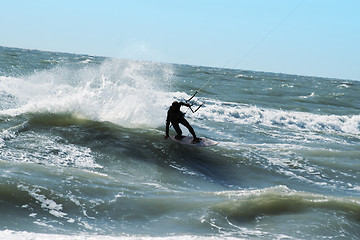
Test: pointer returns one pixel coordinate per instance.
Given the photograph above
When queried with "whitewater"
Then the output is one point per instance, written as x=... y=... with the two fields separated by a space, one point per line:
x=83 y=154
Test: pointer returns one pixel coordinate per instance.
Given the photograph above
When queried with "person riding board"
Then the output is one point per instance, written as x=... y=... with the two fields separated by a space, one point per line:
x=175 y=116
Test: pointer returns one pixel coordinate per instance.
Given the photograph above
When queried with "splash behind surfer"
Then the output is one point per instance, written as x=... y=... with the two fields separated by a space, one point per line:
x=175 y=116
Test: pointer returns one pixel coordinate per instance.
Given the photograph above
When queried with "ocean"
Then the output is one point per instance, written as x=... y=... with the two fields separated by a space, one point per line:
x=83 y=154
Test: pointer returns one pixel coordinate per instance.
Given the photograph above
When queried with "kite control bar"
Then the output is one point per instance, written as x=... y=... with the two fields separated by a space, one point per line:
x=190 y=105
x=196 y=92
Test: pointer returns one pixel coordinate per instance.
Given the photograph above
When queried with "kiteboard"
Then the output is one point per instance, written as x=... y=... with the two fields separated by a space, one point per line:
x=187 y=140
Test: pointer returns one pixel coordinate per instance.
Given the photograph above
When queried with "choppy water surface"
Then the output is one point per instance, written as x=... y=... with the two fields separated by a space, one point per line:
x=82 y=151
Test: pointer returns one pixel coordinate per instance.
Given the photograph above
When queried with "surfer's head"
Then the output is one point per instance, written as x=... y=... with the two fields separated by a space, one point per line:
x=175 y=106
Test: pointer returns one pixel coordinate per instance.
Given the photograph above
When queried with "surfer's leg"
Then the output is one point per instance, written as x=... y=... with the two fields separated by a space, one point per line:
x=188 y=126
x=177 y=128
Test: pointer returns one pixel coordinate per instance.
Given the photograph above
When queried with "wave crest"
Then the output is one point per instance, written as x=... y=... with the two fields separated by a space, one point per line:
x=129 y=93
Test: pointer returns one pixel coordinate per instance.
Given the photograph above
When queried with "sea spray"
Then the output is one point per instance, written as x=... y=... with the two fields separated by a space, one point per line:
x=126 y=93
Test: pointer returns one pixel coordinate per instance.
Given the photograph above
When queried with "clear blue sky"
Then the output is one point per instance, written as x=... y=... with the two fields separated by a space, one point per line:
x=319 y=38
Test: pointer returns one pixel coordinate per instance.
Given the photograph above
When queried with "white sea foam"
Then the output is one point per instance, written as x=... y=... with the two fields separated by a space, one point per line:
x=247 y=114
x=53 y=152
x=48 y=204
x=126 y=93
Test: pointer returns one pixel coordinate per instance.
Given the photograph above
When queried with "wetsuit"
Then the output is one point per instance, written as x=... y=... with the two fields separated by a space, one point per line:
x=175 y=116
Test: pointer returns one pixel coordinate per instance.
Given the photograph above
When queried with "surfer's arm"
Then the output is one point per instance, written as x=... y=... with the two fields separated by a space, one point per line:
x=167 y=126
x=167 y=130
x=184 y=104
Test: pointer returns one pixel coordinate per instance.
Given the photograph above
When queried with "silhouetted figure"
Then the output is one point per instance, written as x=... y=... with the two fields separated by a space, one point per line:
x=175 y=116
